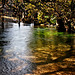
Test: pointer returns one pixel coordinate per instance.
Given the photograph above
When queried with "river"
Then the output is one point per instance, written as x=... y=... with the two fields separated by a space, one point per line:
x=26 y=50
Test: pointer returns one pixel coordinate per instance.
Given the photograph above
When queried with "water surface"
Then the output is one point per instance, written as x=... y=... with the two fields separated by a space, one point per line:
x=36 y=51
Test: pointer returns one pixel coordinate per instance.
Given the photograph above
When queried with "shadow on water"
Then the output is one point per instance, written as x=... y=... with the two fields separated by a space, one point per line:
x=40 y=51
x=51 y=47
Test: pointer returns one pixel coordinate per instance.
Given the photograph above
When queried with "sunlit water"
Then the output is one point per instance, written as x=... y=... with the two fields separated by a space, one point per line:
x=36 y=51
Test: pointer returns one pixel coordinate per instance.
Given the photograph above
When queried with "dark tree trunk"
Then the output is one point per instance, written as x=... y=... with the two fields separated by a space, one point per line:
x=61 y=27
x=72 y=5
x=19 y=16
x=2 y=23
x=69 y=26
x=19 y=21
x=3 y=3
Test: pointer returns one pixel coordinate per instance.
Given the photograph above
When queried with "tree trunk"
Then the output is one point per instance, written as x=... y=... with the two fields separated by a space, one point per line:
x=3 y=3
x=60 y=27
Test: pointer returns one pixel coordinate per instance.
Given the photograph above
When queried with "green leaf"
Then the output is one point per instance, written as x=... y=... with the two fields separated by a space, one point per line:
x=46 y=16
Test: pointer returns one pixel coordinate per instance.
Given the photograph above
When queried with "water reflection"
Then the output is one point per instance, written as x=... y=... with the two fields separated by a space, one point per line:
x=36 y=51
x=52 y=50
x=15 y=50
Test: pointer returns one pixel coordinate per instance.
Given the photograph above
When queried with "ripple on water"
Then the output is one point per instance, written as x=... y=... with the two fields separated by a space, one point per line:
x=36 y=51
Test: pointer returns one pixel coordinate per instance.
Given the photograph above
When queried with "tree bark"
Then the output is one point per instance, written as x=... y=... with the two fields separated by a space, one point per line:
x=3 y=3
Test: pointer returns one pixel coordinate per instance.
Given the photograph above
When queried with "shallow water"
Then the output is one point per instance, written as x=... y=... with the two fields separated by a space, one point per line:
x=36 y=51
